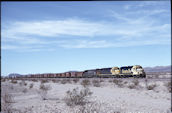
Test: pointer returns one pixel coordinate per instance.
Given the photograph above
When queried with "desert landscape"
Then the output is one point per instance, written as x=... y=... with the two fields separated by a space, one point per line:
x=87 y=95
x=86 y=57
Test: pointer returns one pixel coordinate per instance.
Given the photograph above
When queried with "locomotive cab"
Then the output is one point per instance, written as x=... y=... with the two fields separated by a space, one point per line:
x=138 y=71
x=115 y=71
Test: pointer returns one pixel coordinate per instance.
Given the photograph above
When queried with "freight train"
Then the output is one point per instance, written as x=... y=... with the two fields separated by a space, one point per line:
x=115 y=72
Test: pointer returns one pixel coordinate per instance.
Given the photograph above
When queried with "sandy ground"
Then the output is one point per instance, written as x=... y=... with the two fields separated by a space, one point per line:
x=108 y=98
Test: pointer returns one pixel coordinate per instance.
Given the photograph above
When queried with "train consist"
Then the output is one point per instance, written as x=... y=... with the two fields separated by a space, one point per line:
x=122 y=72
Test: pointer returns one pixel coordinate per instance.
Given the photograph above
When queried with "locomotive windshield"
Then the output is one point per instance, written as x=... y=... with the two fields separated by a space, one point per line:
x=126 y=68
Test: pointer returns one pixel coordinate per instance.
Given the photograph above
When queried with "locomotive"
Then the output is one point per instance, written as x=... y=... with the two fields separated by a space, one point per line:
x=122 y=72
x=115 y=72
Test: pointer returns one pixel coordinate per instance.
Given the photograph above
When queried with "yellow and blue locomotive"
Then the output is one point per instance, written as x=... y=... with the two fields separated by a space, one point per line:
x=122 y=72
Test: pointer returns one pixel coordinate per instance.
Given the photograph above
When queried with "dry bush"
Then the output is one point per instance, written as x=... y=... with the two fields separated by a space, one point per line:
x=31 y=85
x=25 y=110
x=136 y=82
x=115 y=81
x=125 y=82
x=6 y=105
x=68 y=80
x=85 y=83
x=7 y=98
x=44 y=81
x=110 y=80
x=20 y=83
x=101 y=80
x=168 y=85
x=11 y=87
x=34 y=80
x=96 y=107
x=43 y=91
x=75 y=80
x=14 y=81
x=118 y=82
x=149 y=77
x=96 y=83
x=151 y=87
x=44 y=87
x=63 y=81
x=3 y=79
x=24 y=90
x=76 y=97
x=89 y=108
x=54 y=81
x=132 y=86
x=23 y=83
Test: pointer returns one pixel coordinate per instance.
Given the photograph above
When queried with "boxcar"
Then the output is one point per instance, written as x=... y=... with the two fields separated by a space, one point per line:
x=73 y=74
x=68 y=74
x=79 y=74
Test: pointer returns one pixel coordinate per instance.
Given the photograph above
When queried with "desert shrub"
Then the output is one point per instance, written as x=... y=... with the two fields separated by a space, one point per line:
x=151 y=87
x=6 y=103
x=68 y=80
x=149 y=77
x=132 y=86
x=44 y=81
x=25 y=110
x=8 y=98
x=20 y=83
x=85 y=83
x=89 y=108
x=14 y=81
x=125 y=82
x=115 y=81
x=146 y=82
x=31 y=85
x=54 y=81
x=24 y=90
x=96 y=107
x=75 y=80
x=23 y=83
x=34 y=80
x=110 y=80
x=101 y=80
x=136 y=82
x=7 y=79
x=3 y=79
x=11 y=87
x=63 y=81
x=44 y=87
x=76 y=97
x=44 y=90
x=168 y=85
x=96 y=83
x=118 y=82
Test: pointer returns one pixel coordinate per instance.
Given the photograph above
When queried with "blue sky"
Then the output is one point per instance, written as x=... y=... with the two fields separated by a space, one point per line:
x=44 y=37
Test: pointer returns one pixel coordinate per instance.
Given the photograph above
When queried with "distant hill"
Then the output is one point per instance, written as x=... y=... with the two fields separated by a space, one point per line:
x=158 y=69
x=72 y=71
x=14 y=74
